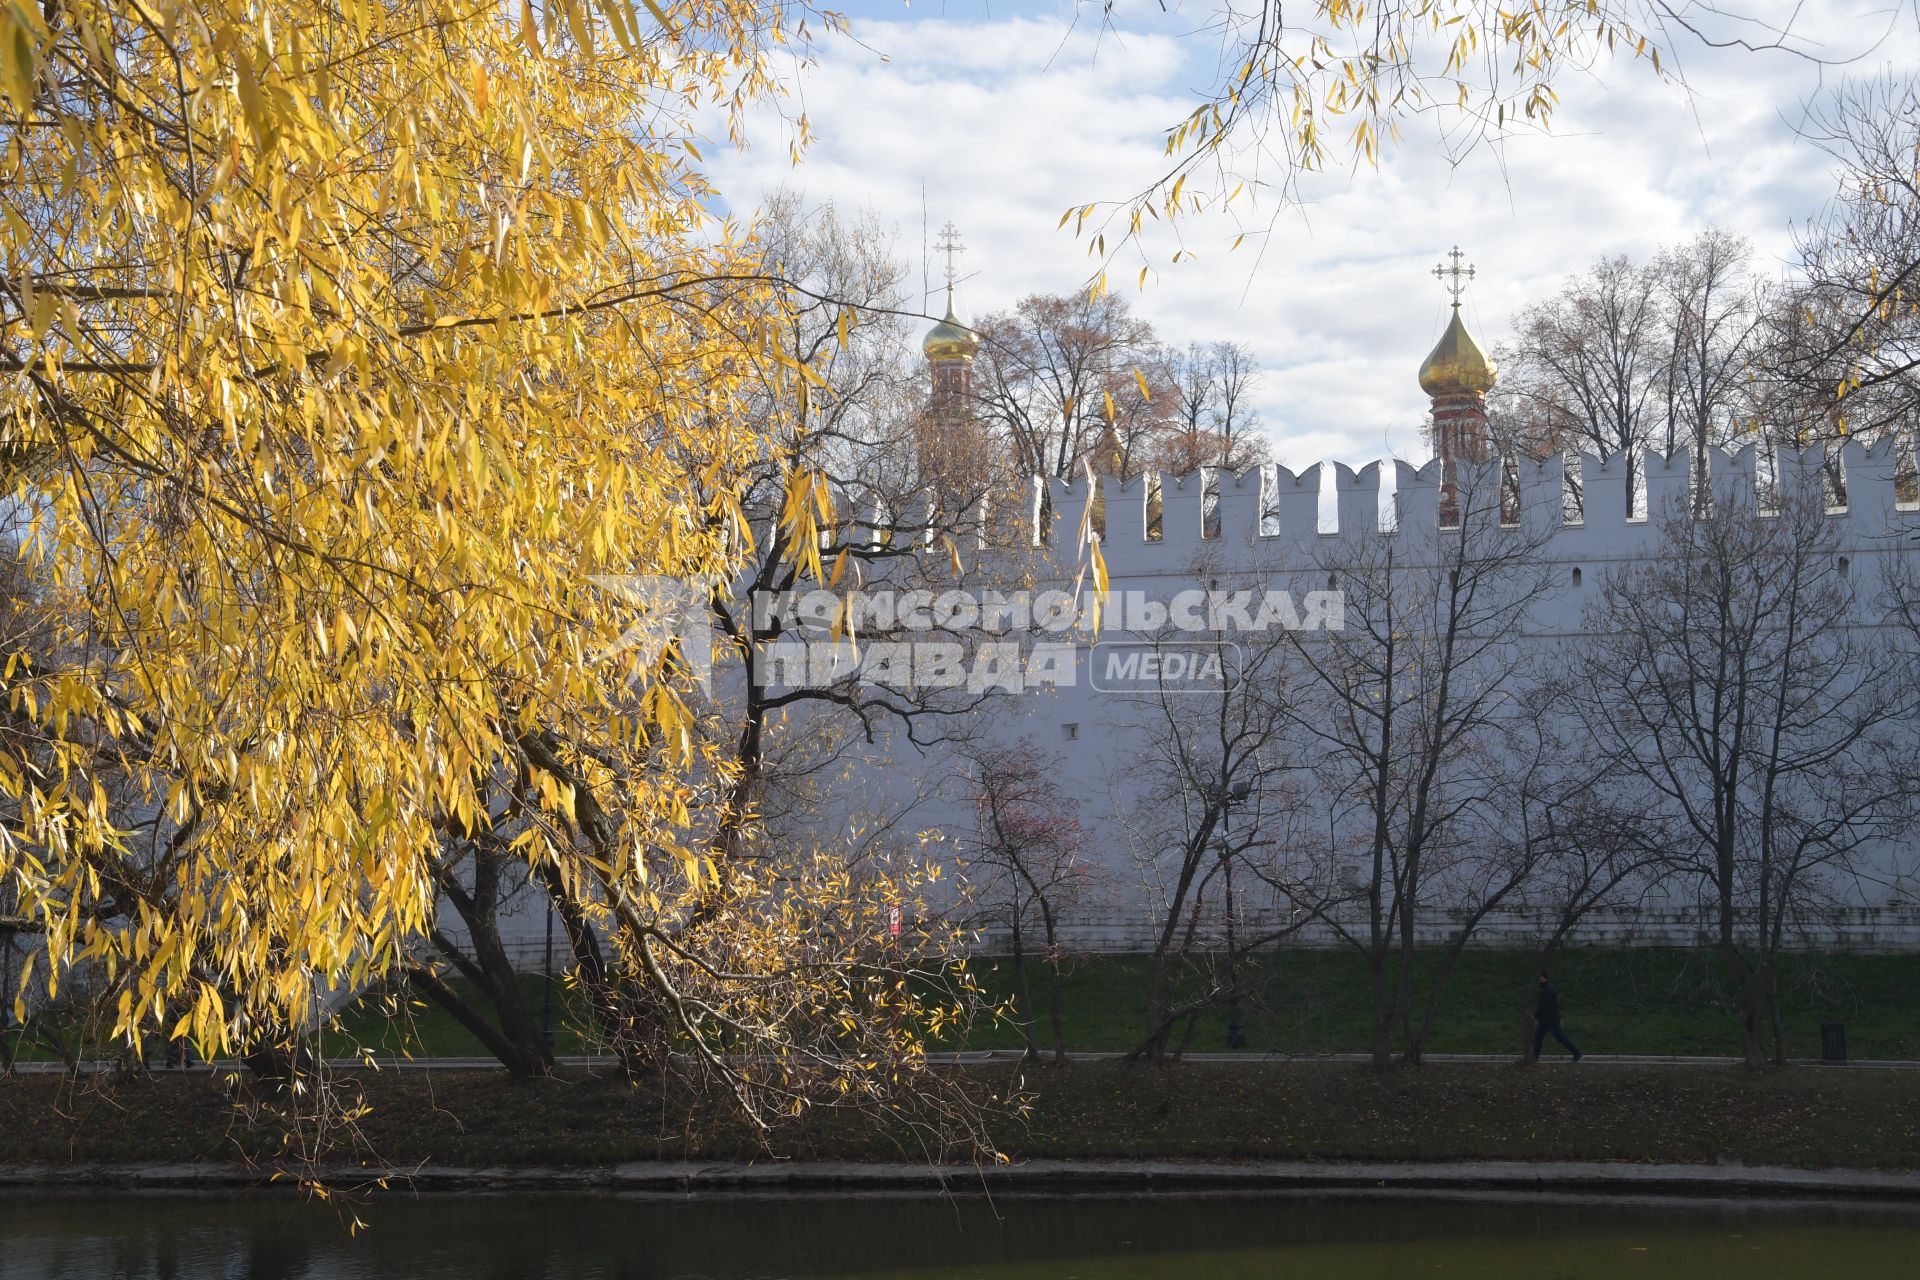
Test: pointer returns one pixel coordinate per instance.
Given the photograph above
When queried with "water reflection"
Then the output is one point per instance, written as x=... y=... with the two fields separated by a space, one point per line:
x=517 y=1237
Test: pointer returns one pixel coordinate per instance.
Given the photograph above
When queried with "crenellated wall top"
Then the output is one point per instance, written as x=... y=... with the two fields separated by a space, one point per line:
x=1586 y=505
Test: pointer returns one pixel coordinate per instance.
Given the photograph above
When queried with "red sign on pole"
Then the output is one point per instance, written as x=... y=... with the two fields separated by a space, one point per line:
x=893 y=920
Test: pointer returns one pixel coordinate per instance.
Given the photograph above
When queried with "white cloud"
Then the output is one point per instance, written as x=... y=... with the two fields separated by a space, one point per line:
x=1009 y=121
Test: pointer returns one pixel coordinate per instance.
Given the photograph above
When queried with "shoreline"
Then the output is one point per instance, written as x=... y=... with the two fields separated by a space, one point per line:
x=1084 y=1126
x=1587 y=1179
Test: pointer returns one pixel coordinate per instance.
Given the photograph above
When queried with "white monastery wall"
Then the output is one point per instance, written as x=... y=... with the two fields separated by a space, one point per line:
x=1273 y=531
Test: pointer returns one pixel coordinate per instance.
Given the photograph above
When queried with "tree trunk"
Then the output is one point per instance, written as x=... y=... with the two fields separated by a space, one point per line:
x=1156 y=1040
x=1025 y=986
x=515 y=1057
x=278 y=1062
x=1188 y=1025
x=1055 y=1008
x=1776 y=1028
x=517 y=1018
x=1382 y=1009
x=1752 y=1004
x=1403 y=984
x=516 y=1040
x=590 y=970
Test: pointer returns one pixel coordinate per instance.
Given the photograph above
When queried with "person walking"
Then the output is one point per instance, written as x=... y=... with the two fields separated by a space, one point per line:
x=1546 y=1020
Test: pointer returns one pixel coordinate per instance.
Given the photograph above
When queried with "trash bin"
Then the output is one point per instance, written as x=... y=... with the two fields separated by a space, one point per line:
x=1833 y=1042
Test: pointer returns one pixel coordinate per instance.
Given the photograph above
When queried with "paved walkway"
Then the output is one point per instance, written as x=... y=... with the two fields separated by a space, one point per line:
x=1011 y=1056
x=1469 y=1178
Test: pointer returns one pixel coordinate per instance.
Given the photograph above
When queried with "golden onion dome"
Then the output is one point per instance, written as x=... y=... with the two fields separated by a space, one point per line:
x=1457 y=364
x=951 y=340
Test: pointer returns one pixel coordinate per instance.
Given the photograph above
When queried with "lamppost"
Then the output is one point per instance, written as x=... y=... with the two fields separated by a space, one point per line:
x=546 y=999
x=1235 y=793
x=6 y=994
x=6 y=986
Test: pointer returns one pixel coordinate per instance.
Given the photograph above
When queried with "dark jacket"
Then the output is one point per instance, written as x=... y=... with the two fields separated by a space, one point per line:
x=1547 y=1012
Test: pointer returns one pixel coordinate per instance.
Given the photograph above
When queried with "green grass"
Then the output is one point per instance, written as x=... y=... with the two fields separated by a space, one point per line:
x=1616 y=1001
x=399 y=1022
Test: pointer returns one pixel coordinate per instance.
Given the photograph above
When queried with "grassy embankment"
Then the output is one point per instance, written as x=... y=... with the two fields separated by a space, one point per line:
x=1312 y=1002
x=1812 y=1117
x=1640 y=1002
x=1643 y=1002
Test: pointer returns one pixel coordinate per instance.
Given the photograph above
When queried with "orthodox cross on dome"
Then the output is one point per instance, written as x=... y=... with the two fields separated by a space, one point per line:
x=949 y=244
x=1453 y=278
x=950 y=346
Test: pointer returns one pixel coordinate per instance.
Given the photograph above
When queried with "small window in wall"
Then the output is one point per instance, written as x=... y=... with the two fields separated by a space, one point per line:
x=1333 y=582
x=1846 y=567
x=1071 y=732
x=1576 y=577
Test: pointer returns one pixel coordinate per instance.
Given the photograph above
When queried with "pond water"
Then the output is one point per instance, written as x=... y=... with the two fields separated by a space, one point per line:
x=518 y=1237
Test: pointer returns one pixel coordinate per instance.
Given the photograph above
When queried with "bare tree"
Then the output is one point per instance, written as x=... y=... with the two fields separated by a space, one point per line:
x=1843 y=355
x=1030 y=845
x=1587 y=366
x=1634 y=356
x=1713 y=308
x=1237 y=374
x=1408 y=714
x=1213 y=420
x=1067 y=381
x=1203 y=798
x=1589 y=848
x=911 y=500
x=1755 y=724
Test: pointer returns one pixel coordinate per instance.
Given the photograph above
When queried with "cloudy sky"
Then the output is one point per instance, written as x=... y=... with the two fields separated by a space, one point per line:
x=1007 y=113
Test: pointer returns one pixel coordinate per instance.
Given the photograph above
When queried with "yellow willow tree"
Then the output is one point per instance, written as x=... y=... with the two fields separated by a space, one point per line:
x=345 y=344
x=1302 y=87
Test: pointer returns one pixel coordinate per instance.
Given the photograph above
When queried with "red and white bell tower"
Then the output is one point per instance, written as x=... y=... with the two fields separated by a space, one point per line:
x=950 y=346
x=1457 y=376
